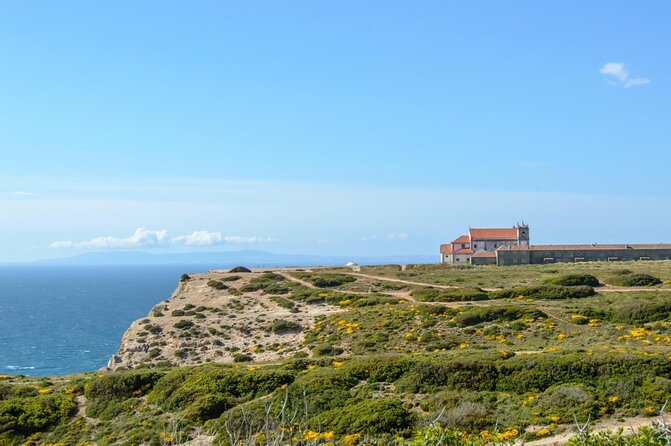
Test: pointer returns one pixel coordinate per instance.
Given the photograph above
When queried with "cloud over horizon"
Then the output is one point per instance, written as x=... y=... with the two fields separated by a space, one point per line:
x=143 y=238
x=400 y=236
x=617 y=74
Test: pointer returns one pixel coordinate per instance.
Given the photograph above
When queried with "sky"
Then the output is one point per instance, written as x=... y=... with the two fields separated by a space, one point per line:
x=349 y=128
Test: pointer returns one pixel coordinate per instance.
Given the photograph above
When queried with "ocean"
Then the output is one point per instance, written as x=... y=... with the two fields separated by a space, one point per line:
x=56 y=320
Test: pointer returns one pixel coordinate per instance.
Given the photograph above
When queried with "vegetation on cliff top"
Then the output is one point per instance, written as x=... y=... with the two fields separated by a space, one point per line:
x=397 y=363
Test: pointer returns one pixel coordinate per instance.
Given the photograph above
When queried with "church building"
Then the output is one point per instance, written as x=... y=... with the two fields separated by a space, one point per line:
x=479 y=246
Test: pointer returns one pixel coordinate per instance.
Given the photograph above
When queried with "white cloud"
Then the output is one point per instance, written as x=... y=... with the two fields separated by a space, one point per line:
x=238 y=239
x=400 y=236
x=617 y=74
x=199 y=238
x=149 y=238
x=141 y=238
x=22 y=193
x=369 y=237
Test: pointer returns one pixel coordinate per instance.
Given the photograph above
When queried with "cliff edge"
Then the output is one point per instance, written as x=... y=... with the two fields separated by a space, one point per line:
x=220 y=317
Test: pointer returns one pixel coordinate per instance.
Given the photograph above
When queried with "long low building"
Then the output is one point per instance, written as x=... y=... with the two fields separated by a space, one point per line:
x=539 y=254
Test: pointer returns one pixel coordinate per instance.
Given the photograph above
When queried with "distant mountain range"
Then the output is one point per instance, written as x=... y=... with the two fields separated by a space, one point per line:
x=250 y=258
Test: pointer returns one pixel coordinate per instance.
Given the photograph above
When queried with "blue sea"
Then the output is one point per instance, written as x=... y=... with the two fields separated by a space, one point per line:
x=56 y=320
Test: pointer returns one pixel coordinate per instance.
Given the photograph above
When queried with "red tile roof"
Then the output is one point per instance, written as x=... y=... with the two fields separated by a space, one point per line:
x=462 y=239
x=493 y=233
x=484 y=254
x=592 y=247
x=464 y=251
x=446 y=249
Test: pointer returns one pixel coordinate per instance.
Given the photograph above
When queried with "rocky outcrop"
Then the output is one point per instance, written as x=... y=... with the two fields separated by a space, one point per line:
x=207 y=323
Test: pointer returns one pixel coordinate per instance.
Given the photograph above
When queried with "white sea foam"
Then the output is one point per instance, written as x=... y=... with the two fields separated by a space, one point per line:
x=18 y=367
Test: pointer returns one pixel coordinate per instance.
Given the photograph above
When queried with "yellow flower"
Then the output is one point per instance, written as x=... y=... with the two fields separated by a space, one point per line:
x=463 y=345
x=337 y=363
x=554 y=418
x=507 y=435
x=486 y=435
x=613 y=399
x=561 y=336
x=639 y=333
x=545 y=432
x=351 y=439
x=45 y=391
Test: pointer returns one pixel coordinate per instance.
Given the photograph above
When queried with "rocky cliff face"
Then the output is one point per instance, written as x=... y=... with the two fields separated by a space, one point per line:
x=216 y=317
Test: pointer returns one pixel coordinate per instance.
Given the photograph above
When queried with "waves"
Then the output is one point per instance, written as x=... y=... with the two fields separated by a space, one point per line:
x=18 y=367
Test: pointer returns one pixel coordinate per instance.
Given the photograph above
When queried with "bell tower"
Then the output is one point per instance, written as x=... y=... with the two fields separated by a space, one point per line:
x=522 y=233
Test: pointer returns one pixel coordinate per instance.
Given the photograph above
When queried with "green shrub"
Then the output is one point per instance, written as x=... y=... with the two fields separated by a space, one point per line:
x=634 y=280
x=184 y=278
x=283 y=302
x=326 y=350
x=240 y=269
x=177 y=313
x=230 y=278
x=154 y=329
x=477 y=315
x=370 y=417
x=656 y=390
x=24 y=416
x=242 y=357
x=186 y=387
x=545 y=292
x=635 y=309
x=280 y=326
x=269 y=283
x=574 y=280
x=373 y=300
x=323 y=389
x=470 y=416
x=105 y=395
x=449 y=295
x=566 y=401
x=385 y=368
x=184 y=324
x=327 y=280
x=216 y=284
x=207 y=407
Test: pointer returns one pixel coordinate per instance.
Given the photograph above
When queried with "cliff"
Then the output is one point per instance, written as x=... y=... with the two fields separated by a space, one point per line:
x=219 y=317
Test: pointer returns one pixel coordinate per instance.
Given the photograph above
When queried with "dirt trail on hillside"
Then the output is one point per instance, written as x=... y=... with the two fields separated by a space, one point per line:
x=603 y=289
x=628 y=426
x=407 y=282
x=405 y=295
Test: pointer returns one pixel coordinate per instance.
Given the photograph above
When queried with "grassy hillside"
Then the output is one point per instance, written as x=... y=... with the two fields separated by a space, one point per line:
x=375 y=356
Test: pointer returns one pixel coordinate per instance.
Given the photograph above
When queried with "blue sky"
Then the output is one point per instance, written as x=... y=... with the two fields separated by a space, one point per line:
x=340 y=127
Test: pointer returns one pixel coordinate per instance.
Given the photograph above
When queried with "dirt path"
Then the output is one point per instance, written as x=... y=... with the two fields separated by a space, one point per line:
x=407 y=282
x=603 y=289
x=81 y=409
x=628 y=426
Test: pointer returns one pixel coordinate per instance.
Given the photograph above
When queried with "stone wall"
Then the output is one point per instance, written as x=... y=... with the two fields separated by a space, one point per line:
x=505 y=258
x=483 y=260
